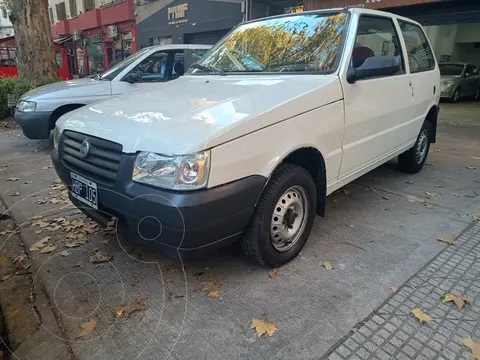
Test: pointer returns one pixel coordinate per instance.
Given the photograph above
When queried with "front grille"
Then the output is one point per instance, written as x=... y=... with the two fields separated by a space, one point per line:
x=102 y=162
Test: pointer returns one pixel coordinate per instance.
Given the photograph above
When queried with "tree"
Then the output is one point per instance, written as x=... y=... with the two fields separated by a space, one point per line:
x=33 y=38
x=6 y=4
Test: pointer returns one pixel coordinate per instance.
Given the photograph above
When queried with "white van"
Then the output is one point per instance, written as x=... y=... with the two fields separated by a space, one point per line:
x=246 y=146
x=38 y=110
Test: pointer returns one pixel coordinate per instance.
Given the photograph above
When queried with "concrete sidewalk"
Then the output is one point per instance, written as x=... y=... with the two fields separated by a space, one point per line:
x=392 y=332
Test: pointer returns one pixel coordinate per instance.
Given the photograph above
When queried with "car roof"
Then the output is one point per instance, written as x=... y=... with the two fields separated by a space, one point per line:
x=179 y=47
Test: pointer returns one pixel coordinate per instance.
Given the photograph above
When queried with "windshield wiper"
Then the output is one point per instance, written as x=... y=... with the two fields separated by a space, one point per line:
x=208 y=68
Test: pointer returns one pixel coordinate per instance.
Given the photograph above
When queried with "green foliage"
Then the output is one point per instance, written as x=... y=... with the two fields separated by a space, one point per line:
x=13 y=88
x=6 y=4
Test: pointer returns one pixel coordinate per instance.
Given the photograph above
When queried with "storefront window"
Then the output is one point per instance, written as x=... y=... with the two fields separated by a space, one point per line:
x=95 y=52
x=59 y=60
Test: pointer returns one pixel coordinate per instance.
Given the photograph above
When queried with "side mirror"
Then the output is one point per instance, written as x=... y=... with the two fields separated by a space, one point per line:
x=131 y=78
x=467 y=75
x=374 y=66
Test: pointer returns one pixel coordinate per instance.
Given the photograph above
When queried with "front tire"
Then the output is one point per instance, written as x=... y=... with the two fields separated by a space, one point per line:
x=456 y=96
x=412 y=160
x=283 y=218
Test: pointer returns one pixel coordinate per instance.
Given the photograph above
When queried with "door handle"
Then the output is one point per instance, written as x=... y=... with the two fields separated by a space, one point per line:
x=410 y=83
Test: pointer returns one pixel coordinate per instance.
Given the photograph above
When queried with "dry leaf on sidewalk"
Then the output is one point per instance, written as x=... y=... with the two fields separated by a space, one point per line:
x=459 y=300
x=15 y=194
x=100 y=257
x=327 y=265
x=262 y=327
x=476 y=217
x=48 y=249
x=447 y=239
x=429 y=206
x=87 y=328
x=475 y=157
x=212 y=287
x=472 y=345
x=140 y=304
x=40 y=244
x=46 y=167
x=470 y=167
x=13 y=179
x=65 y=253
x=394 y=288
x=414 y=199
x=272 y=274
x=420 y=315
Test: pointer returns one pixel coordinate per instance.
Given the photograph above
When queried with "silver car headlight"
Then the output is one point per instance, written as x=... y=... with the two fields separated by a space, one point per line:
x=448 y=83
x=26 y=106
x=56 y=137
x=185 y=172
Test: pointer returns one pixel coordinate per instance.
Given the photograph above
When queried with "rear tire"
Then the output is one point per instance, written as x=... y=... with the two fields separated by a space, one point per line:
x=283 y=218
x=413 y=160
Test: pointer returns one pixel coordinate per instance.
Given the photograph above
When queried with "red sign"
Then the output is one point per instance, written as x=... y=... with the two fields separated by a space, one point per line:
x=370 y=4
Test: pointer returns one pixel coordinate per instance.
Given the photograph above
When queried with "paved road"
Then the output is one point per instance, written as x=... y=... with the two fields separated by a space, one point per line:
x=373 y=235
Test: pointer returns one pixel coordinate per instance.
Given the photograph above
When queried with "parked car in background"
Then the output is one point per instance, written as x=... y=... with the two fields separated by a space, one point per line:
x=247 y=145
x=459 y=80
x=38 y=110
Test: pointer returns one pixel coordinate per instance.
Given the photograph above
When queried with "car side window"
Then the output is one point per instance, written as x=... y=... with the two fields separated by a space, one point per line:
x=178 y=64
x=469 y=71
x=376 y=36
x=153 y=68
x=420 y=54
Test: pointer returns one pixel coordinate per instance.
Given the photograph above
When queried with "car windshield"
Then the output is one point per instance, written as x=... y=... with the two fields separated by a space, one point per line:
x=451 y=69
x=118 y=68
x=296 y=43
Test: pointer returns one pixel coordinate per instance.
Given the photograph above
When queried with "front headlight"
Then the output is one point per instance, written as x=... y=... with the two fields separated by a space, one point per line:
x=26 y=106
x=56 y=137
x=185 y=172
x=448 y=83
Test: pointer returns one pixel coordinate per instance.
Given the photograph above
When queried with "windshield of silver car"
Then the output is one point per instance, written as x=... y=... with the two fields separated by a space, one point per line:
x=302 y=43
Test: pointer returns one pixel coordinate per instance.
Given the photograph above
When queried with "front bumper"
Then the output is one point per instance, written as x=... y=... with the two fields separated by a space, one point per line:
x=177 y=223
x=35 y=125
x=446 y=92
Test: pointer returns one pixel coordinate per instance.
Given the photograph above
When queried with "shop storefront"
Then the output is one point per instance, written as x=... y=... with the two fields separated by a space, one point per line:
x=189 y=22
x=99 y=37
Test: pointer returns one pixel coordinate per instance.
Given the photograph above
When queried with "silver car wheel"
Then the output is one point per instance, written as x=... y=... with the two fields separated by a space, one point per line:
x=289 y=218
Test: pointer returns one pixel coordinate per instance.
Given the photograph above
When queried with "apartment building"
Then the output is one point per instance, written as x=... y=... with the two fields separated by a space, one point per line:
x=94 y=32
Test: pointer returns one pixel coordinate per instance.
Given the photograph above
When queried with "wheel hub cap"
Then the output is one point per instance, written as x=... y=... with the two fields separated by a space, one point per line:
x=421 y=152
x=289 y=218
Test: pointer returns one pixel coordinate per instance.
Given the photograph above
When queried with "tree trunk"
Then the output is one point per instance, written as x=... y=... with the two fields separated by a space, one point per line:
x=33 y=37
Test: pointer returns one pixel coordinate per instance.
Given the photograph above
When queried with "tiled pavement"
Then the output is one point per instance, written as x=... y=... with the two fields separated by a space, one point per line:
x=391 y=332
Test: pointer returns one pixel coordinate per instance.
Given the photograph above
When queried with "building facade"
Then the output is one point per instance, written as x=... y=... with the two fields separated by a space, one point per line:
x=185 y=21
x=6 y=27
x=94 y=32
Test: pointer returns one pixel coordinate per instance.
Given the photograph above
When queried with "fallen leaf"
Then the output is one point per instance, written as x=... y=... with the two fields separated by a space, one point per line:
x=449 y=240
x=13 y=179
x=15 y=194
x=394 y=288
x=346 y=192
x=385 y=198
x=420 y=315
x=475 y=157
x=456 y=195
x=54 y=201
x=436 y=150
x=19 y=258
x=472 y=345
x=429 y=164
x=48 y=249
x=262 y=327
x=430 y=195
x=213 y=294
x=429 y=206
x=409 y=182
x=140 y=304
x=272 y=274
x=414 y=199
x=459 y=300
x=57 y=182
x=36 y=217
x=65 y=253
x=438 y=186
x=100 y=257
x=413 y=213
x=170 y=281
x=27 y=182
x=470 y=167
x=327 y=265
x=87 y=328
x=40 y=244
x=5 y=278
x=45 y=167
x=476 y=217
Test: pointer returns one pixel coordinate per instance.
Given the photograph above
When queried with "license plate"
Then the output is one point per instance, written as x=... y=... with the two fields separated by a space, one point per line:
x=84 y=190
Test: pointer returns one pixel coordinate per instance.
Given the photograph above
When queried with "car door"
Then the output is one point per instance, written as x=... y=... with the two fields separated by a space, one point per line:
x=424 y=75
x=470 y=81
x=154 y=69
x=376 y=109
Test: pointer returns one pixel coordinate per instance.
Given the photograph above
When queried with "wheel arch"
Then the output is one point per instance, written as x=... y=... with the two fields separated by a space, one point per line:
x=432 y=118
x=61 y=110
x=311 y=159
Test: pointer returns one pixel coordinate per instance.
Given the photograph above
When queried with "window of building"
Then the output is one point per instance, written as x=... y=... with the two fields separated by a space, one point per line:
x=375 y=37
x=420 y=55
x=50 y=15
x=73 y=8
x=61 y=11
x=89 y=4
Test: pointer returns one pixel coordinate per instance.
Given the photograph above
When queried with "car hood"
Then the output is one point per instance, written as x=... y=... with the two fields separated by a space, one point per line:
x=195 y=113
x=71 y=88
